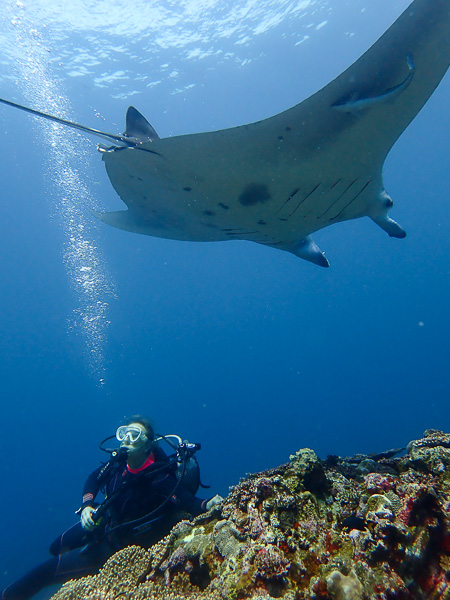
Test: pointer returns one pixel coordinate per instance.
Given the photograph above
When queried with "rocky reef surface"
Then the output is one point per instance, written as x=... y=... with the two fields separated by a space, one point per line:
x=360 y=528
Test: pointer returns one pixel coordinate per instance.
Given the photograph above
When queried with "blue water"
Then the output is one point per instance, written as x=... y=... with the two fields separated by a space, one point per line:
x=246 y=349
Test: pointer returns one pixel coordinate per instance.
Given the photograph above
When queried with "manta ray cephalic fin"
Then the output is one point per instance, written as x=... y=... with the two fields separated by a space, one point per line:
x=379 y=215
x=391 y=227
x=121 y=219
x=307 y=249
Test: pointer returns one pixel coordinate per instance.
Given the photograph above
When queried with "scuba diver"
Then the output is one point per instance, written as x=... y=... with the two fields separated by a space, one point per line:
x=146 y=493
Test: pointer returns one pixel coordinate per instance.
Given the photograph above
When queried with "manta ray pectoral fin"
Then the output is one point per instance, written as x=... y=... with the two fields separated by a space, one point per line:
x=138 y=127
x=307 y=249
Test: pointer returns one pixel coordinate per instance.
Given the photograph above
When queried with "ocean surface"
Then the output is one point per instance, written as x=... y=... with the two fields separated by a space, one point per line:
x=246 y=349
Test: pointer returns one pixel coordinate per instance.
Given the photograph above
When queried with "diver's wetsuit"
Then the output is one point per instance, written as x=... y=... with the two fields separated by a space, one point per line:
x=77 y=552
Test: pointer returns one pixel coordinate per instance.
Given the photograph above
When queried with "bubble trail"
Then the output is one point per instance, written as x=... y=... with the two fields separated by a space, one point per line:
x=66 y=154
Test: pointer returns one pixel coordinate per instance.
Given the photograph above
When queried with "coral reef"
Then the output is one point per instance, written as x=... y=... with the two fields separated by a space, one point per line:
x=358 y=528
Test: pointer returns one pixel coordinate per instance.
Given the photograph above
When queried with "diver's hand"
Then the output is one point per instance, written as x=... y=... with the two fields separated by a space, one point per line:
x=214 y=502
x=87 y=522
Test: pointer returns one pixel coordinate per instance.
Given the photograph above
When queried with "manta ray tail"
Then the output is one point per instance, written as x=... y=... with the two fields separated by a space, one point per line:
x=138 y=129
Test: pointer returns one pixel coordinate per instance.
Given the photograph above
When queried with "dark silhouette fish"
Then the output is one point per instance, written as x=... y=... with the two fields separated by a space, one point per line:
x=277 y=181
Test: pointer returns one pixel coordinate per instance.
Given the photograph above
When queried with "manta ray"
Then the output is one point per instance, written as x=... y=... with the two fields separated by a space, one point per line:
x=277 y=181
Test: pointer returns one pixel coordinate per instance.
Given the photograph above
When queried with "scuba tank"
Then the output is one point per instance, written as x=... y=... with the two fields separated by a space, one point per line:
x=188 y=470
x=188 y=473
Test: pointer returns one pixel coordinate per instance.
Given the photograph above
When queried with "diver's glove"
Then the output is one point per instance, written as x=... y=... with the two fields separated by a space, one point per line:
x=87 y=522
x=214 y=501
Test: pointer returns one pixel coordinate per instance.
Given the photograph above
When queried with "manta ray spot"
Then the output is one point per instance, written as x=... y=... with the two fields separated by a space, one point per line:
x=254 y=193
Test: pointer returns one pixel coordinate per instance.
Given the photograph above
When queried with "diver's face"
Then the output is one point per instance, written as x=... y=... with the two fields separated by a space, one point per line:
x=134 y=438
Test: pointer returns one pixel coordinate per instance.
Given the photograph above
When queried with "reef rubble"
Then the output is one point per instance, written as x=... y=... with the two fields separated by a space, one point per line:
x=356 y=528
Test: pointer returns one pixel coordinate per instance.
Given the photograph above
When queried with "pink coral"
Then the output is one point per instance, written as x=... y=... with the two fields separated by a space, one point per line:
x=271 y=564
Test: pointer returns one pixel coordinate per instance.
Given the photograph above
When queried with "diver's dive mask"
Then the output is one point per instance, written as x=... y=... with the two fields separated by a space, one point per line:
x=130 y=434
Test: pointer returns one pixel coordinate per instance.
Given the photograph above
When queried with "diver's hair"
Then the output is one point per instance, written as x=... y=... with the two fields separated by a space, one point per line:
x=145 y=422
